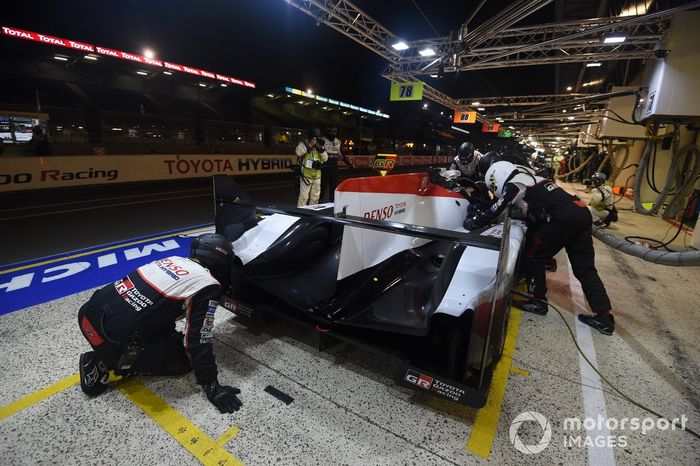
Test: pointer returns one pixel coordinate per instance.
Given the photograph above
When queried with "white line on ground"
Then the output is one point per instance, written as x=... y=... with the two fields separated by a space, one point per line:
x=591 y=385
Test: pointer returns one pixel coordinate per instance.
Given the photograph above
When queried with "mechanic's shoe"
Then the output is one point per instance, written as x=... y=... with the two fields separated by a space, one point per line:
x=600 y=223
x=93 y=374
x=551 y=266
x=604 y=324
x=534 y=306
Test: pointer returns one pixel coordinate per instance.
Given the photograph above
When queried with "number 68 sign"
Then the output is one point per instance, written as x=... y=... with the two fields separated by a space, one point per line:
x=411 y=90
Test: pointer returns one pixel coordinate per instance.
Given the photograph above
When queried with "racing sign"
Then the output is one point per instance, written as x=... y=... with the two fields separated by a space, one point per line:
x=384 y=163
x=490 y=128
x=464 y=116
x=504 y=133
x=410 y=90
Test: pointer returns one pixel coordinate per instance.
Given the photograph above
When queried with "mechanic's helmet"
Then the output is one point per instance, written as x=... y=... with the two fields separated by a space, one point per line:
x=486 y=161
x=598 y=178
x=332 y=131
x=216 y=254
x=465 y=152
x=314 y=133
x=496 y=176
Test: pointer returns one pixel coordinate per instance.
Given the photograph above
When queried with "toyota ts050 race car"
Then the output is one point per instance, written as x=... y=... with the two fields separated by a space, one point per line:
x=388 y=266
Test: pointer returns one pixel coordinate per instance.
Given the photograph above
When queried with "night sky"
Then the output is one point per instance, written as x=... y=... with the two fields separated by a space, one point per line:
x=274 y=44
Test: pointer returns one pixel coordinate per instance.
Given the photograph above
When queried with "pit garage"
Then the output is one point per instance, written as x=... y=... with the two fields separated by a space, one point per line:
x=375 y=328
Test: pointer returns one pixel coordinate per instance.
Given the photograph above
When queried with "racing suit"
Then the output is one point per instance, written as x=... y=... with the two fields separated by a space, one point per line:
x=556 y=220
x=469 y=170
x=131 y=323
x=602 y=203
x=310 y=160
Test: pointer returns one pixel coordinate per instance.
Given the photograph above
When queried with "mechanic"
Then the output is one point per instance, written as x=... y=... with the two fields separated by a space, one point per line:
x=602 y=205
x=329 y=171
x=311 y=154
x=467 y=160
x=130 y=323
x=560 y=220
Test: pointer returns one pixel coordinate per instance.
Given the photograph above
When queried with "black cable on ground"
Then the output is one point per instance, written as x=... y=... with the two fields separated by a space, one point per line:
x=600 y=374
x=661 y=244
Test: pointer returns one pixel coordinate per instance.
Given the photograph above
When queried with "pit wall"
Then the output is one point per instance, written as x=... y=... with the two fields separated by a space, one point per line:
x=25 y=173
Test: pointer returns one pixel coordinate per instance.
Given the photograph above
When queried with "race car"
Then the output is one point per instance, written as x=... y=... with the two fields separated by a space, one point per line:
x=387 y=266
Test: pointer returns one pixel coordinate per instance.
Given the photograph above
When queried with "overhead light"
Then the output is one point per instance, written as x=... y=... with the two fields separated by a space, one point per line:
x=59 y=58
x=224 y=85
x=614 y=39
x=593 y=64
x=142 y=73
x=425 y=106
x=481 y=109
x=565 y=128
x=426 y=52
x=511 y=127
x=202 y=85
x=569 y=88
x=272 y=96
x=433 y=76
x=148 y=53
x=475 y=104
x=309 y=91
x=442 y=113
x=400 y=45
x=169 y=73
x=116 y=129
x=499 y=119
x=563 y=111
x=571 y=118
x=90 y=57
x=459 y=129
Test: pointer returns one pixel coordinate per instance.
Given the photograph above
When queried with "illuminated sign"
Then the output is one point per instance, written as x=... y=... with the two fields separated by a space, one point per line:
x=71 y=44
x=411 y=90
x=291 y=90
x=504 y=133
x=490 y=128
x=384 y=163
x=464 y=117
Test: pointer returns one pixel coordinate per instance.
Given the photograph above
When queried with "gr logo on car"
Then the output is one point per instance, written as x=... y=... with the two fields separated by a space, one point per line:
x=416 y=378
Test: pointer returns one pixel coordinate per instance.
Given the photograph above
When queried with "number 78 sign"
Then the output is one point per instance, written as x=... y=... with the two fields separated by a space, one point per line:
x=411 y=90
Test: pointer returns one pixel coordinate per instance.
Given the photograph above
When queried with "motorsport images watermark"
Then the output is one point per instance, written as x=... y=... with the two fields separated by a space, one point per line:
x=581 y=432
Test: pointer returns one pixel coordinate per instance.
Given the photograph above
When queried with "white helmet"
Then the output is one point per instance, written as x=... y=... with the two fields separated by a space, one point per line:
x=496 y=176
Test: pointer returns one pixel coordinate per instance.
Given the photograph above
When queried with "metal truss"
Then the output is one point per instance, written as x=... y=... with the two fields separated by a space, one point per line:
x=519 y=101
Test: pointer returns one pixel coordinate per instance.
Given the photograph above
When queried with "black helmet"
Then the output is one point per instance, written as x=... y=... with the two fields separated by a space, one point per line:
x=598 y=178
x=486 y=161
x=465 y=152
x=216 y=254
x=314 y=132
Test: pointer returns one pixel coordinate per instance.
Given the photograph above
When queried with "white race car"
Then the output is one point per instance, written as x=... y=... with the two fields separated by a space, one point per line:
x=388 y=266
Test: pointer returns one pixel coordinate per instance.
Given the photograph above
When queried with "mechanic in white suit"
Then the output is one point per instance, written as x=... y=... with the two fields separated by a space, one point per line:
x=602 y=205
x=311 y=154
x=467 y=160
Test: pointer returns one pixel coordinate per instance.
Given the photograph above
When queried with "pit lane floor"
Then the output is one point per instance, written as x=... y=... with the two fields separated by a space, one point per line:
x=346 y=408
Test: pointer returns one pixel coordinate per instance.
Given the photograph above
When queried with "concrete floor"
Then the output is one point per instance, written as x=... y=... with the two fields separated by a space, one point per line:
x=346 y=408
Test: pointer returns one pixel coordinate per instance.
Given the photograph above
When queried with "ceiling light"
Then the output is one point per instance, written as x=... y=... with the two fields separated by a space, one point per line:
x=116 y=129
x=272 y=96
x=169 y=73
x=425 y=106
x=481 y=109
x=426 y=52
x=593 y=64
x=60 y=58
x=565 y=128
x=224 y=85
x=563 y=111
x=459 y=129
x=309 y=91
x=614 y=39
x=442 y=113
x=400 y=45
x=90 y=57
x=148 y=53
x=571 y=118
x=569 y=88
x=202 y=85
x=499 y=119
x=142 y=73
x=511 y=127
x=433 y=76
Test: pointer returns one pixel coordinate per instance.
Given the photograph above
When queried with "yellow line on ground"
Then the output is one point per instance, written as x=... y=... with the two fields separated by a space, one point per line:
x=109 y=248
x=486 y=423
x=228 y=435
x=37 y=396
x=201 y=446
x=517 y=370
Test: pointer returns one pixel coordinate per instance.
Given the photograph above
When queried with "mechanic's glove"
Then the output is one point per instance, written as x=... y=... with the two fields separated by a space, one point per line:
x=316 y=165
x=223 y=397
x=473 y=223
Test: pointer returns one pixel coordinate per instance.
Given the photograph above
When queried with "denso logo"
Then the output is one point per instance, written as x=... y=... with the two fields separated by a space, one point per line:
x=382 y=213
